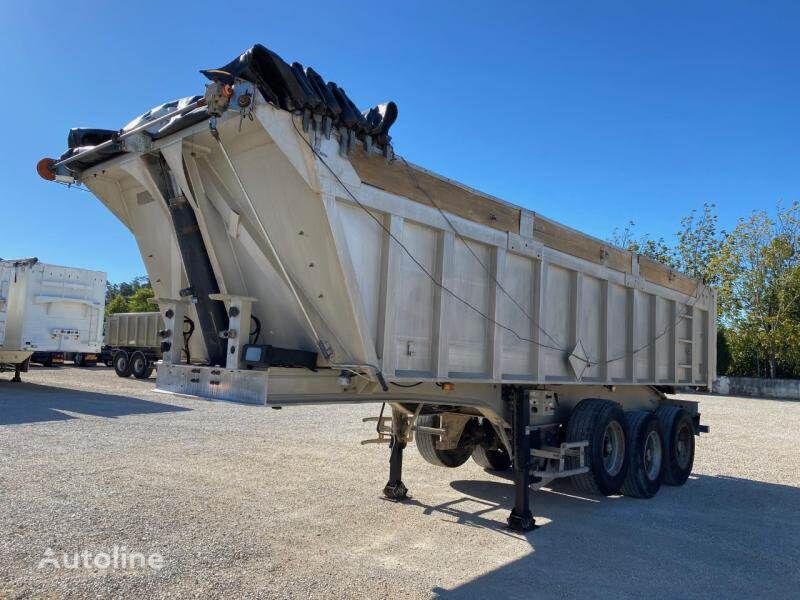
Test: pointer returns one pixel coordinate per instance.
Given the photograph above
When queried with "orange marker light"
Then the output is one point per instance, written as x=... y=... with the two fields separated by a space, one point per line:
x=448 y=386
x=43 y=169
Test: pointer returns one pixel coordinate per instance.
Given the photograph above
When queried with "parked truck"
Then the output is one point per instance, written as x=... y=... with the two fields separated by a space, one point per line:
x=133 y=342
x=488 y=330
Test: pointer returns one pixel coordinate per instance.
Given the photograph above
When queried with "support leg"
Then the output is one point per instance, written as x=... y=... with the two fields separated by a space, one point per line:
x=394 y=488
x=17 y=370
x=521 y=517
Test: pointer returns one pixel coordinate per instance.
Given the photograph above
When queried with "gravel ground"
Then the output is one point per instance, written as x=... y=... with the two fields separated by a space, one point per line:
x=245 y=501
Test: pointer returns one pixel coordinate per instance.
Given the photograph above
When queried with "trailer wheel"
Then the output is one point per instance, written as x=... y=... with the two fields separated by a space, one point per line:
x=426 y=444
x=490 y=452
x=678 y=429
x=140 y=366
x=492 y=459
x=122 y=364
x=603 y=424
x=645 y=455
x=47 y=361
x=78 y=360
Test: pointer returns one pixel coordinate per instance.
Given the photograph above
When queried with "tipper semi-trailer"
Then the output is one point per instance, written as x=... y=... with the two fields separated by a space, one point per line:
x=488 y=330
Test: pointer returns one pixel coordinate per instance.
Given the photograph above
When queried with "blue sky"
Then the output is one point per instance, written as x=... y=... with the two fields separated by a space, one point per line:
x=592 y=113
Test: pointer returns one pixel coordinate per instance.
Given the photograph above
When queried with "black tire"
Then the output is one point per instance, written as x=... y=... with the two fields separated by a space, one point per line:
x=678 y=430
x=645 y=455
x=606 y=458
x=492 y=459
x=140 y=366
x=426 y=444
x=78 y=360
x=491 y=453
x=47 y=362
x=122 y=364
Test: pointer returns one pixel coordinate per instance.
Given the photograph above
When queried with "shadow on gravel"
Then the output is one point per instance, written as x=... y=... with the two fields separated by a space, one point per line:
x=716 y=536
x=32 y=403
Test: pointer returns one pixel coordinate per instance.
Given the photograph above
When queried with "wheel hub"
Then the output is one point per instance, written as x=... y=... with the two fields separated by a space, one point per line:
x=683 y=446
x=613 y=448
x=653 y=455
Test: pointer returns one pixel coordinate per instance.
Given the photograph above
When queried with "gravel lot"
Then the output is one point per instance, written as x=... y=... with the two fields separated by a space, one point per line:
x=246 y=501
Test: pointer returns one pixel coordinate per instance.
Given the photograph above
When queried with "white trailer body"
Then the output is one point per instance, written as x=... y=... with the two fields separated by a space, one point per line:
x=472 y=309
x=49 y=308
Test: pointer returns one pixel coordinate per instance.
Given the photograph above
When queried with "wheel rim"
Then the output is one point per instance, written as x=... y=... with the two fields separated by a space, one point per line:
x=122 y=363
x=653 y=455
x=138 y=365
x=683 y=446
x=613 y=448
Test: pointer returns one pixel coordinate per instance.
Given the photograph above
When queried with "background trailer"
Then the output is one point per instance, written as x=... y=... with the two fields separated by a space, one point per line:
x=48 y=309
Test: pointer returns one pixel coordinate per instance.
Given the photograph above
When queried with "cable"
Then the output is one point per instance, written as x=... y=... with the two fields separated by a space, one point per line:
x=471 y=251
x=488 y=271
x=406 y=385
x=440 y=285
x=187 y=335
x=324 y=348
x=695 y=296
x=273 y=250
x=430 y=276
x=257 y=332
x=75 y=186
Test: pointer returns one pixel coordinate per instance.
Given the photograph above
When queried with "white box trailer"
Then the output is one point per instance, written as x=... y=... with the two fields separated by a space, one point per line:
x=48 y=308
x=490 y=330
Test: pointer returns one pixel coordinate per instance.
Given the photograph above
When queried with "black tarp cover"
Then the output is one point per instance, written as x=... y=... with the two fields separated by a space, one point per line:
x=290 y=87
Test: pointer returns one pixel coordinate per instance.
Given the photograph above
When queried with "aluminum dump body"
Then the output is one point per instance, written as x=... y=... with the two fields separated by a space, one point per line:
x=48 y=308
x=367 y=259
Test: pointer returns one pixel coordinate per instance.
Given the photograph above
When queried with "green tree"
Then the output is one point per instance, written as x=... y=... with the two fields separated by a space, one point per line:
x=657 y=249
x=139 y=301
x=698 y=243
x=117 y=304
x=129 y=296
x=757 y=272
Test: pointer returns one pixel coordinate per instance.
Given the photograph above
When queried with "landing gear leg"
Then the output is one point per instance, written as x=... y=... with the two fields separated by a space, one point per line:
x=394 y=488
x=521 y=517
x=17 y=371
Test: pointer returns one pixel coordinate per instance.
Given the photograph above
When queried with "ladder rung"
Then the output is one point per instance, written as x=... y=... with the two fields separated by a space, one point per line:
x=384 y=440
x=430 y=430
x=565 y=473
